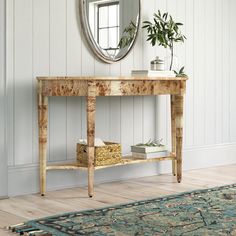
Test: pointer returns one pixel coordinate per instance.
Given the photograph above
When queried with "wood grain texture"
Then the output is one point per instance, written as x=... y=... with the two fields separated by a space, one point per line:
x=43 y=128
x=91 y=88
x=91 y=108
x=110 y=78
x=65 y=88
x=178 y=106
x=126 y=160
x=173 y=132
x=106 y=86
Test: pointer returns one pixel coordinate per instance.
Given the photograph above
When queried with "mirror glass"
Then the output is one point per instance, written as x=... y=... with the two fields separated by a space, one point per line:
x=110 y=26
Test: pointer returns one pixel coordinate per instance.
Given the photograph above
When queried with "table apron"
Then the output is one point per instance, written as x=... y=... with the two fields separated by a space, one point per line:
x=111 y=88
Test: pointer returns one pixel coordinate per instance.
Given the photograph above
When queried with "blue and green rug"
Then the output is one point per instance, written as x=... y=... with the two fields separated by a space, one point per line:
x=201 y=212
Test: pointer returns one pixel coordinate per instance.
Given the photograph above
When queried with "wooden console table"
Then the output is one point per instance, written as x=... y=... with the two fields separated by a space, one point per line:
x=91 y=87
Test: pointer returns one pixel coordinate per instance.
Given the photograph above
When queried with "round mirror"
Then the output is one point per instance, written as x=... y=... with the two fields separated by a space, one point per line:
x=110 y=26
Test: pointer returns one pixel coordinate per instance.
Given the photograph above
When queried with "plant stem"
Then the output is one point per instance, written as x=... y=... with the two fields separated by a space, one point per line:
x=172 y=55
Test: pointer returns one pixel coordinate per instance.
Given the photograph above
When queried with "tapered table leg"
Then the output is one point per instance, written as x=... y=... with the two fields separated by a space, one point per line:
x=43 y=126
x=91 y=107
x=173 y=133
x=178 y=106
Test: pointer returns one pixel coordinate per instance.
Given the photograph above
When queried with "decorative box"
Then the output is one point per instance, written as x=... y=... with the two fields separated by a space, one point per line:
x=105 y=155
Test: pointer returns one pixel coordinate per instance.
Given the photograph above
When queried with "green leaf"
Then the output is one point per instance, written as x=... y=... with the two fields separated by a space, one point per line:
x=181 y=70
x=163 y=30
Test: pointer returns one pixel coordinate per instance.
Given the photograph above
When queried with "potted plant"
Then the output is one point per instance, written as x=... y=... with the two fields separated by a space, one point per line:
x=164 y=31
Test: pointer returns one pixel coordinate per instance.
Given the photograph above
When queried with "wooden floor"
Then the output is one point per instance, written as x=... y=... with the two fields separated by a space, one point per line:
x=18 y=209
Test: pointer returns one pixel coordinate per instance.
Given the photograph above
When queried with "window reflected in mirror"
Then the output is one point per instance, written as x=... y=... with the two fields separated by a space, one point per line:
x=113 y=26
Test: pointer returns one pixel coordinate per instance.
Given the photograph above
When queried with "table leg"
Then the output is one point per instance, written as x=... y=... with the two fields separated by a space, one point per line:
x=91 y=108
x=43 y=125
x=178 y=101
x=173 y=133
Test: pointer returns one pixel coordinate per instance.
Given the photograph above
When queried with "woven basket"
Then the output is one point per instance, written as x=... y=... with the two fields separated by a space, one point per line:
x=105 y=155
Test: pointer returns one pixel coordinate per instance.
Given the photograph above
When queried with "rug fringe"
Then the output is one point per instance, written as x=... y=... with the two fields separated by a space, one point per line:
x=27 y=230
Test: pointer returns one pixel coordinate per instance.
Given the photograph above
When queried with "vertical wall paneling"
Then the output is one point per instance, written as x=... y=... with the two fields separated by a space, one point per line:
x=138 y=101
x=40 y=58
x=115 y=108
x=181 y=47
x=172 y=7
x=115 y=119
x=161 y=101
x=189 y=68
x=3 y=151
x=148 y=50
x=210 y=75
x=199 y=72
x=232 y=72
x=23 y=82
x=138 y=120
x=149 y=53
x=74 y=104
x=219 y=70
x=226 y=73
x=87 y=59
x=102 y=118
x=74 y=121
x=102 y=104
x=137 y=50
x=83 y=118
x=127 y=119
x=149 y=118
x=10 y=73
x=73 y=39
x=87 y=69
x=58 y=57
x=127 y=109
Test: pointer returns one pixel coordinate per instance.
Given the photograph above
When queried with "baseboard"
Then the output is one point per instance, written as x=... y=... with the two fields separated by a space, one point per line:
x=4 y=198
x=25 y=180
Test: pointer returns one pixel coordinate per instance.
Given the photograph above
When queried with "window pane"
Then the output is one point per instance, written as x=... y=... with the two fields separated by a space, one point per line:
x=113 y=41
x=103 y=17
x=103 y=38
x=113 y=15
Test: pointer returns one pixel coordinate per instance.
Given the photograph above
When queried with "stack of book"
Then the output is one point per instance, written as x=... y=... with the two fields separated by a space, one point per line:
x=153 y=73
x=148 y=152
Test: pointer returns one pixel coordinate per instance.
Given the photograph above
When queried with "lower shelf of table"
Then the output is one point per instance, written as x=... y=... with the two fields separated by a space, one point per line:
x=127 y=160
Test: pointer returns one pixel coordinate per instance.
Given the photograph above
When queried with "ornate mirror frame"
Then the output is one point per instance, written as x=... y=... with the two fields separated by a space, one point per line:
x=93 y=45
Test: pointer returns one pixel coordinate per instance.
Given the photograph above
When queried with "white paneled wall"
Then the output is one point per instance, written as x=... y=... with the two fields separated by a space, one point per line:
x=44 y=38
x=3 y=160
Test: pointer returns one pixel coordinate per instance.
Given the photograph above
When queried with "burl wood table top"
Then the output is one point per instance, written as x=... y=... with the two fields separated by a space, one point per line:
x=110 y=78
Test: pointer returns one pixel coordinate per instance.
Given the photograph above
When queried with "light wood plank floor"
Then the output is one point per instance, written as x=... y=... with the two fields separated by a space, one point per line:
x=18 y=209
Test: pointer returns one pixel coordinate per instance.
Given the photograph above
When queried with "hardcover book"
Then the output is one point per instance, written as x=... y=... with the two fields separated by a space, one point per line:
x=149 y=155
x=148 y=149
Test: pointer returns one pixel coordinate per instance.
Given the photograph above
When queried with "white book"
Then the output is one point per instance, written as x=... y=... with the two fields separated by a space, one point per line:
x=148 y=149
x=153 y=73
x=149 y=155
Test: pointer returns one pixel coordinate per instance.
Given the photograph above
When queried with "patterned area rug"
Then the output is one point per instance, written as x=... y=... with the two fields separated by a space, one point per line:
x=201 y=212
